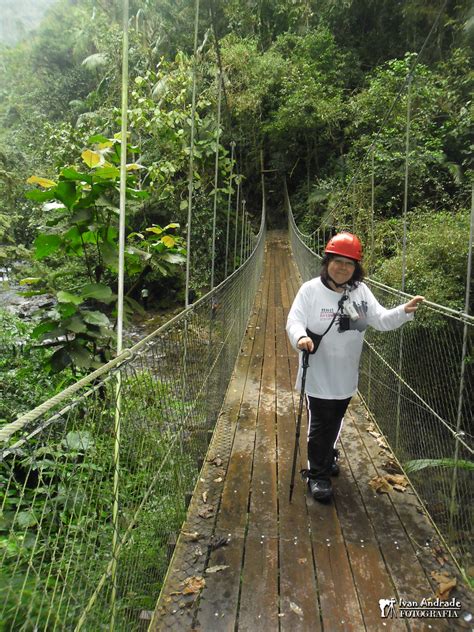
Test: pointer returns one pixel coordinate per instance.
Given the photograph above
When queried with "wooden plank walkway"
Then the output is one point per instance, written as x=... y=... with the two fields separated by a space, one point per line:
x=246 y=559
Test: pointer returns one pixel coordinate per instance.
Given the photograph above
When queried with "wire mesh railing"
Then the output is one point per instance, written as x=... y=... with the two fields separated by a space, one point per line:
x=57 y=470
x=417 y=383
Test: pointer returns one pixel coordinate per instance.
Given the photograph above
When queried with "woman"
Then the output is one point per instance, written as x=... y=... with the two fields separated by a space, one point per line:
x=329 y=317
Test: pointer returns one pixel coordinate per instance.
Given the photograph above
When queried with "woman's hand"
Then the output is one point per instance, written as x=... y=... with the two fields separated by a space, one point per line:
x=412 y=305
x=305 y=343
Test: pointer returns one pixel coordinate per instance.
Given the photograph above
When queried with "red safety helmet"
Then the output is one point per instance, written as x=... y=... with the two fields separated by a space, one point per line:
x=346 y=245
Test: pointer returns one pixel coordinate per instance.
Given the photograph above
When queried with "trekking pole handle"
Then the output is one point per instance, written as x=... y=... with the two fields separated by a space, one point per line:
x=305 y=363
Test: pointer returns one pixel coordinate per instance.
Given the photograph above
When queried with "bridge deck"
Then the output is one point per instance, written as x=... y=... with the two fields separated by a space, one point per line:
x=248 y=560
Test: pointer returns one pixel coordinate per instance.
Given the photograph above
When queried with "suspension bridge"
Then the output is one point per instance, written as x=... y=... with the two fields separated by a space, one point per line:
x=207 y=538
x=246 y=558
x=153 y=493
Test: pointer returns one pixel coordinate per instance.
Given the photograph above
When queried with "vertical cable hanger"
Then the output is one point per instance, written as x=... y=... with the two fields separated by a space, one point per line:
x=216 y=176
x=191 y=156
x=229 y=202
x=118 y=388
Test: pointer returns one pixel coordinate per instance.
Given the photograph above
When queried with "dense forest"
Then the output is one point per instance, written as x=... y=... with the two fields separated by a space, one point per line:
x=315 y=92
x=305 y=84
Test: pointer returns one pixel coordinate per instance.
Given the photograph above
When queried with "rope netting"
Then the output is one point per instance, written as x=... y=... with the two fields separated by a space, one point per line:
x=417 y=383
x=57 y=469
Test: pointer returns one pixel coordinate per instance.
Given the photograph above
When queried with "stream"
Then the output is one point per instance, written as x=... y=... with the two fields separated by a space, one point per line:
x=26 y=307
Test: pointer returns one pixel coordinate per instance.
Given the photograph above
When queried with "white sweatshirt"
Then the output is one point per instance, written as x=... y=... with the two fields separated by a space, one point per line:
x=333 y=370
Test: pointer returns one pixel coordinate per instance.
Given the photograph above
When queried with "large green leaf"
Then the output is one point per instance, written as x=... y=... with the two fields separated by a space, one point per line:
x=96 y=318
x=80 y=440
x=75 y=324
x=39 y=196
x=66 y=192
x=26 y=519
x=137 y=194
x=82 y=215
x=42 y=328
x=109 y=252
x=99 y=291
x=107 y=173
x=60 y=360
x=97 y=138
x=73 y=236
x=90 y=236
x=421 y=464
x=66 y=310
x=67 y=297
x=80 y=356
x=45 y=245
x=69 y=173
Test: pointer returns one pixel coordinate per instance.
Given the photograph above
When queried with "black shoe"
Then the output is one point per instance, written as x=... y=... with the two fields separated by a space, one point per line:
x=320 y=489
x=334 y=465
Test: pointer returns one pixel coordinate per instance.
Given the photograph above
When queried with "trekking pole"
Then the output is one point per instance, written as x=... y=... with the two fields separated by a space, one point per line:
x=305 y=365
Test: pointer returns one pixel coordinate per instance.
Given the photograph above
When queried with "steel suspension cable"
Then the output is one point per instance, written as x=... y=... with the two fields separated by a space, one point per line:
x=229 y=120
x=117 y=428
x=216 y=177
x=191 y=156
x=463 y=363
x=237 y=205
x=404 y=249
x=229 y=202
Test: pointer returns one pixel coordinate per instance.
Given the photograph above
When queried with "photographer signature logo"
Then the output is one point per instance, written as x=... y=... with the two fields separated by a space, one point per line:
x=387 y=608
x=424 y=609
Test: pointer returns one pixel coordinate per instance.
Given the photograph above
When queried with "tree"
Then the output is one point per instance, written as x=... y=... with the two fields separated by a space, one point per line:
x=82 y=210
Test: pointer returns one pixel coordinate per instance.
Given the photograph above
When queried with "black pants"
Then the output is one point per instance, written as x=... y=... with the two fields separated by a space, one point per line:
x=324 y=423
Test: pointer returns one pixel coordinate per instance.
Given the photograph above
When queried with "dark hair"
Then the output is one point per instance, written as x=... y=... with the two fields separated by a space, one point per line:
x=356 y=278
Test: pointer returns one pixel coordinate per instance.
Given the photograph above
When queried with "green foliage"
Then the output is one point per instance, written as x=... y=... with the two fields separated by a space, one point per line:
x=421 y=464
x=436 y=258
x=23 y=381
x=82 y=216
x=57 y=513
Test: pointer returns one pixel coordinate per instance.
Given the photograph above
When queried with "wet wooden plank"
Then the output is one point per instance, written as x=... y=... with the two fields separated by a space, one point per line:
x=299 y=608
x=259 y=594
x=408 y=576
x=371 y=576
x=298 y=587
x=219 y=599
x=340 y=606
x=169 y=613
